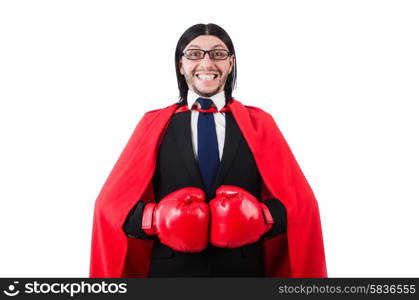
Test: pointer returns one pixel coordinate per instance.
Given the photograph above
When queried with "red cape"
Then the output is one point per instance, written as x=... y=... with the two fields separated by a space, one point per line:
x=298 y=253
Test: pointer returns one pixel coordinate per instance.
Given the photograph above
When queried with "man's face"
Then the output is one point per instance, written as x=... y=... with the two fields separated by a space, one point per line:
x=191 y=69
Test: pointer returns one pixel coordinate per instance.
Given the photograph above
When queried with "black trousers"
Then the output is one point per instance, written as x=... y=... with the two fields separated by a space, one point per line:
x=246 y=261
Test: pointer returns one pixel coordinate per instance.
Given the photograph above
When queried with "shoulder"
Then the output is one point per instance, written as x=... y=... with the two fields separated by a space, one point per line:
x=152 y=114
x=260 y=118
x=256 y=112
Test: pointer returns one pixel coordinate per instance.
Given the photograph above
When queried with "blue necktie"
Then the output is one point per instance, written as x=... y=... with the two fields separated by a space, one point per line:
x=208 y=155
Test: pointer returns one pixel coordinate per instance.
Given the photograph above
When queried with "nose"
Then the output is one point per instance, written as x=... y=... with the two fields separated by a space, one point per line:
x=206 y=60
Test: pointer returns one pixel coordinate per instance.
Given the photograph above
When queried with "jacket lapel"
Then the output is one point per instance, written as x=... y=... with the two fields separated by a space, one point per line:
x=181 y=123
x=231 y=144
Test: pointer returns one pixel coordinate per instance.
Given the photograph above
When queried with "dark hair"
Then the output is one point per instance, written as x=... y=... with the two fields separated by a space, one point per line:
x=190 y=34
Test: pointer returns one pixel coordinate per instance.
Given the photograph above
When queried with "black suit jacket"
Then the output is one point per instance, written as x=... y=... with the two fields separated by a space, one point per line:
x=177 y=168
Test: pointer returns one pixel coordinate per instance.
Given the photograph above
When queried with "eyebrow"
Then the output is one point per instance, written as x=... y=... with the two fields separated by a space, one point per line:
x=199 y=47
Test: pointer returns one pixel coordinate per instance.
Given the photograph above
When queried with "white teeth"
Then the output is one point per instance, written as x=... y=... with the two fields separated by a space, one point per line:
x=206 y=77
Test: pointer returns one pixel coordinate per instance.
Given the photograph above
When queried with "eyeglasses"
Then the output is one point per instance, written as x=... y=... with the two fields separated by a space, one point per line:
x=197 y=54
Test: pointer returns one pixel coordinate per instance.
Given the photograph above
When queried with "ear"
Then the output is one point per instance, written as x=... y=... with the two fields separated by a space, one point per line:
x=181 y=67
x=231 y=59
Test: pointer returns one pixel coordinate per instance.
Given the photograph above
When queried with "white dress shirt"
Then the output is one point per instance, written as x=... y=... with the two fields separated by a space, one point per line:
x=219 y=118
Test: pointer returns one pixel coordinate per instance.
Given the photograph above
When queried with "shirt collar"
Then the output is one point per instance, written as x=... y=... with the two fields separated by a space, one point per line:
x=218 y=99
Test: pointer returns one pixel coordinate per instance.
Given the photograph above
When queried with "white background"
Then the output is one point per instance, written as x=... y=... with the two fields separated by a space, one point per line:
x=340 y=78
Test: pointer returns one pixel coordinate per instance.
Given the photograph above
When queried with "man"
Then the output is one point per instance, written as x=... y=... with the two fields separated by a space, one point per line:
x=207 y=186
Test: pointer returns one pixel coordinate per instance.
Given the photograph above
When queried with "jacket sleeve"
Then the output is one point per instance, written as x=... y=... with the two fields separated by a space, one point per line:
x=132 y=225
x=279 y=214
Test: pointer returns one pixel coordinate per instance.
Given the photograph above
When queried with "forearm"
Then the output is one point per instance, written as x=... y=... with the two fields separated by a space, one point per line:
x=133 y=222
x=279 y=214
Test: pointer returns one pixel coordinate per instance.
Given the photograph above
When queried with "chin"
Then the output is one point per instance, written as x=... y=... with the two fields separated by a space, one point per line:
x=207 y=92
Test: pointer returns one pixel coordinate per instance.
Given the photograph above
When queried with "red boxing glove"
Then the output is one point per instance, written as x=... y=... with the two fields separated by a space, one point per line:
x=180 y=220
x=237 y=217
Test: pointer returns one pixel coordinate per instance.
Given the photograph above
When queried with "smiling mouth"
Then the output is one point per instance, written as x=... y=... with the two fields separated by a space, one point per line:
x=206 y=76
